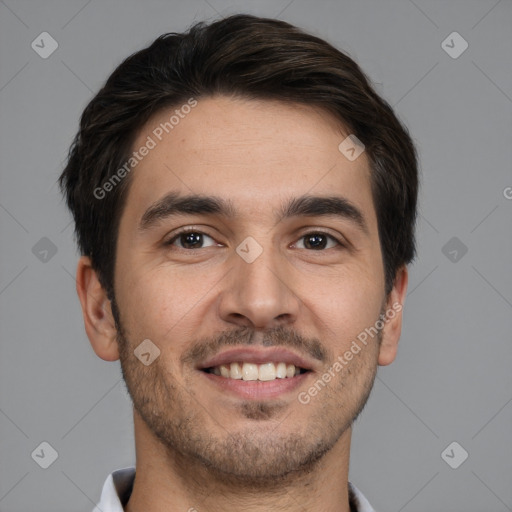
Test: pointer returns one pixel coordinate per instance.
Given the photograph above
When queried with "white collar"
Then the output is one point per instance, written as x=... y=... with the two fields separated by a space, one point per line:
x=118 y=487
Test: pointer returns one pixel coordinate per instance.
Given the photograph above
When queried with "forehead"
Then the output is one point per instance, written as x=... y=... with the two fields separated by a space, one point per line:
x=254 y=152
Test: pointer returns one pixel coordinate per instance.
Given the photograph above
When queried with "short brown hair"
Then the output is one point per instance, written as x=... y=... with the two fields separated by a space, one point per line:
x=245 y=56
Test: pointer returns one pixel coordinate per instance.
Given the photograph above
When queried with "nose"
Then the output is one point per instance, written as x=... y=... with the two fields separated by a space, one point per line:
x=259 y=294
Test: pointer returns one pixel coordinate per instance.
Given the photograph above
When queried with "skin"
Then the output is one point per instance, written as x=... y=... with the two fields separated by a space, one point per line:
x=196 y=446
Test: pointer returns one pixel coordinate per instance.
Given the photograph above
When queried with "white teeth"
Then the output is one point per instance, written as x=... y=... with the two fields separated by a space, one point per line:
x=267 y=371
x=235 y=371
x=251 y=371
x=281 y=370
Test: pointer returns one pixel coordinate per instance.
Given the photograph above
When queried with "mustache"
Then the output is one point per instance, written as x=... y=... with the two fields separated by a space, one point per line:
x=246 y=336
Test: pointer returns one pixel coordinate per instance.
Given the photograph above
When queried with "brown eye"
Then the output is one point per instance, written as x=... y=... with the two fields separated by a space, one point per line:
x=317 y=241
x=191 y=240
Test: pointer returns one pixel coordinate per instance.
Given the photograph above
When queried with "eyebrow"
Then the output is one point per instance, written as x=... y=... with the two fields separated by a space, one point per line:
x=194 y=204
x=174 y=204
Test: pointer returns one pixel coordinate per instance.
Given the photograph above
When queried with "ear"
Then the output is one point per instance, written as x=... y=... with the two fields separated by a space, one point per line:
x=393 y=320
x=97 y=312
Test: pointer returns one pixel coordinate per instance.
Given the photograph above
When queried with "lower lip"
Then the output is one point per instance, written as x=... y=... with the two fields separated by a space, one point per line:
x=257 y=389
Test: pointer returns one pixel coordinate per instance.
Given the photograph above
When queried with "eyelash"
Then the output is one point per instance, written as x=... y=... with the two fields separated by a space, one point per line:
x=184 y=231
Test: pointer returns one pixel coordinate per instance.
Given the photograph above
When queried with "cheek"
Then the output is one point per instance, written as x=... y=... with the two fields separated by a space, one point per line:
x=164 y=304
x=343 y=306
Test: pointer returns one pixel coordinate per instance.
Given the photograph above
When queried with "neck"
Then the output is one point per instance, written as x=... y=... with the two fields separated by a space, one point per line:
x=166 y=481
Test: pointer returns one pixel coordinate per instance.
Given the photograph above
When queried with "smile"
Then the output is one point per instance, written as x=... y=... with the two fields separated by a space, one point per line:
x=251 y=371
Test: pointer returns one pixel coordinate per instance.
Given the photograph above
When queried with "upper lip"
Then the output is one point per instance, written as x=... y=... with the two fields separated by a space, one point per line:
x=256 y=356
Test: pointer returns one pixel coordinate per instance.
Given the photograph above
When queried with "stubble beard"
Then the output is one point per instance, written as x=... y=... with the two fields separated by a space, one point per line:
x=271 y=450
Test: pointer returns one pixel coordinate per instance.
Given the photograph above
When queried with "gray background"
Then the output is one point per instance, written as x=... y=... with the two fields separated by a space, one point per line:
x=451 y=380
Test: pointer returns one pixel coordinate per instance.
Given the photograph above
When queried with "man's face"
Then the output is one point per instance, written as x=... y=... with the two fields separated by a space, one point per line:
x=302 y=285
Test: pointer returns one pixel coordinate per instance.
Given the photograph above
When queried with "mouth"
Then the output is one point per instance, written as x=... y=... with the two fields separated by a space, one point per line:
x=256 y=373
x=250 y=371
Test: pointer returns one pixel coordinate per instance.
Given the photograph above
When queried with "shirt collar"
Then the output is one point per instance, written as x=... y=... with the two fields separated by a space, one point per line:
x=118 y=488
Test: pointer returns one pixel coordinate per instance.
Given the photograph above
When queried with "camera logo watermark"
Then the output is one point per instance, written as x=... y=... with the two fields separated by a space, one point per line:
x=454 y=249
x=44 y=250
x=351 y=147
x=44 y=455
x=454 y=45
x=44 y=45
x=249 y=249
x=454 y=455
x=147 y=352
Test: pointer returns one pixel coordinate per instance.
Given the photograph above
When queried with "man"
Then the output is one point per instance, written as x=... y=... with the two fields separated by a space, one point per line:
x=245 y=206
